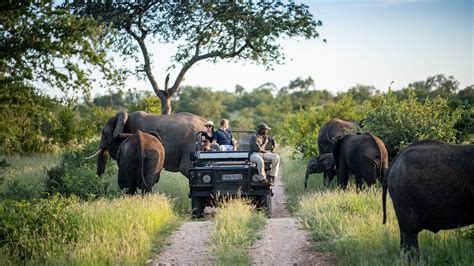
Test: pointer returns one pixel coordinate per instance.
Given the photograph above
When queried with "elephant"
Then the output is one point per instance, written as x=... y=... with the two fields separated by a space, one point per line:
x=327 y=136
x=319 y=164
x=431 y=184
x=140 y=158
x=177 y=131
x=361 y=155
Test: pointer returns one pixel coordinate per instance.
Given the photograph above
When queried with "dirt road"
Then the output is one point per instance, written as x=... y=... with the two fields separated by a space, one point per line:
x=283 y=242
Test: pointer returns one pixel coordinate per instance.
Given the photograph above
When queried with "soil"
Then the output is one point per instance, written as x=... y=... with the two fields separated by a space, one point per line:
x=283 y=241
x=188 y=246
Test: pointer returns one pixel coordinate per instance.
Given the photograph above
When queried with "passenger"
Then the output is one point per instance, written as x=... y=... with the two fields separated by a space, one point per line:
x=209 y=134
x=223 y=137
x=258 y=142
x=206 y=146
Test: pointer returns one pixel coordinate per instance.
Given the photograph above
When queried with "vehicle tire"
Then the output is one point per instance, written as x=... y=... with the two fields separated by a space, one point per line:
x=197 y=207
x=264 y=203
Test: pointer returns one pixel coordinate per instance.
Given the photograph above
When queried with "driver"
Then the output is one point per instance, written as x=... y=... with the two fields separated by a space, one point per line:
x=258 y=142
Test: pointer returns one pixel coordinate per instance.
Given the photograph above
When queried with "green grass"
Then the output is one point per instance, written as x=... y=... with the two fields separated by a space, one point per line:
x=24 y=177
x=62 y=231
x=236 y=227
x=349 y=225
x=176 y=187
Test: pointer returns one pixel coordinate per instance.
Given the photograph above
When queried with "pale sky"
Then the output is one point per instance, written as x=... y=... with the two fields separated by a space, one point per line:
x=368 y=42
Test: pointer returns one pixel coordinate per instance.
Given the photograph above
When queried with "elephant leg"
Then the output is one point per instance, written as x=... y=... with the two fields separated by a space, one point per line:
x=409 y=244
x=343 y=176
x=131 y=191
x=359 y=182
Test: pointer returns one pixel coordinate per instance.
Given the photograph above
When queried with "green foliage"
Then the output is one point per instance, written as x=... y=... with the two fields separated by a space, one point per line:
x=399 y=123
x=236 y=227
x=151 y=104
x=44 y=43
x=25 y=177
x=24 y=127
x=77 y=176
x=300 y=130
x=39 y=228
x=66 y=231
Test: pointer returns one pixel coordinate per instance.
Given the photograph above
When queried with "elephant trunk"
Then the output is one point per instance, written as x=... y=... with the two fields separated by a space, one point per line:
x=306 y=177
x=102 y=161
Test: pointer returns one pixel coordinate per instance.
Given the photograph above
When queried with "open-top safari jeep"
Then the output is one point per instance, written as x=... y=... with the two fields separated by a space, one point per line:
x=227 y=174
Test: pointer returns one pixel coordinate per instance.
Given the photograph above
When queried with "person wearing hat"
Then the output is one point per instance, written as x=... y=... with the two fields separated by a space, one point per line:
x=209 y=134
x=258 y=142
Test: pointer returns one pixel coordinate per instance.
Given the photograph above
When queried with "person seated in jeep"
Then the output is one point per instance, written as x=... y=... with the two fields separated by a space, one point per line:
x=258 y=154
x=206 y=146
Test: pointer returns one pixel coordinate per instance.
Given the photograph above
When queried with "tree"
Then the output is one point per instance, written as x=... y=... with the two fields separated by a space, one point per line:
x=41 y=42
x=210 y=30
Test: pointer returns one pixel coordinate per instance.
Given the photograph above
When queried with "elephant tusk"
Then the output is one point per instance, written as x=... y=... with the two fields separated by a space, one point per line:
x=94 y=155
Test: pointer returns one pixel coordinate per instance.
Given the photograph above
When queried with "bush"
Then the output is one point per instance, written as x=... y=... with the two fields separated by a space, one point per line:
x=301 y=130
x=77 y=176
x=38 y=228
x=399 y=123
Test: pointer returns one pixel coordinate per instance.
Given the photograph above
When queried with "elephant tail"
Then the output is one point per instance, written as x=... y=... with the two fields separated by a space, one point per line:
x=384 y=200
x=141 y=159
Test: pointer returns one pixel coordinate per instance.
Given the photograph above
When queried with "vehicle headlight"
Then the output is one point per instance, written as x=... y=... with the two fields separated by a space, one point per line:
x=206 y=178
x=256 y=178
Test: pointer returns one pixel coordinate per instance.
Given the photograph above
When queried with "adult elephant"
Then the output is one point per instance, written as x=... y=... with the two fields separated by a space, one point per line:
x=361 y=155
x=327 y=137
x=431 y=184
x=177 y=131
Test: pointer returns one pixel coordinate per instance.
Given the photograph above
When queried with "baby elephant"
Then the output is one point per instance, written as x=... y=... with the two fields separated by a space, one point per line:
x=431 y=184
x=361 y=155
x=319 y=164
x=140 y=157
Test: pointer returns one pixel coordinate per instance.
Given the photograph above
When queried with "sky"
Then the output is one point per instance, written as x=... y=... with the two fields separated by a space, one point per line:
x=368 y=42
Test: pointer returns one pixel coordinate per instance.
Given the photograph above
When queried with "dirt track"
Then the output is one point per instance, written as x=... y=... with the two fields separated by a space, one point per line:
x=283 y=241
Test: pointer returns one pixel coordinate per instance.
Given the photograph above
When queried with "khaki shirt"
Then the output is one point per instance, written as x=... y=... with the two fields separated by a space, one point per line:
x=258 y=142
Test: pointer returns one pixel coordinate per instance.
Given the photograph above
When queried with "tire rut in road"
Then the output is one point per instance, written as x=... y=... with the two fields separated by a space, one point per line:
x=283 y=241
x=190 y=245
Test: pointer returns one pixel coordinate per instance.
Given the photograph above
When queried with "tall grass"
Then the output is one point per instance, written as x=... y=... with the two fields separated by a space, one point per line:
x=25 y=177
x=66 y=231
x=176 y=187
x=349 y=224
x=236 y=227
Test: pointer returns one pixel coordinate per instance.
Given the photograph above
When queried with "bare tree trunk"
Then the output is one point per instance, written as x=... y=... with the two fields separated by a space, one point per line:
x=165 y=104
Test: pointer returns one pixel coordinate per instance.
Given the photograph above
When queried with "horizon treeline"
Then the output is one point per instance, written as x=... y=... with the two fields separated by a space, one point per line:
x=36 y=123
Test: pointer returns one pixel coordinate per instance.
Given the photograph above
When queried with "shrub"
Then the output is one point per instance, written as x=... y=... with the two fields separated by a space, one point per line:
x=76 y=175
x=301 y=130
x=38 y=228
x=399 y=123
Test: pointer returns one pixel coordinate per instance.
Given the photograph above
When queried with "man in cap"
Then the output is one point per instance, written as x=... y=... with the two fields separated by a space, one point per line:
x=258 y=142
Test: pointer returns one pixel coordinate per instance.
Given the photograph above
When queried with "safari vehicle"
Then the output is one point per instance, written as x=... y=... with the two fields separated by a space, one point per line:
x=227 y=174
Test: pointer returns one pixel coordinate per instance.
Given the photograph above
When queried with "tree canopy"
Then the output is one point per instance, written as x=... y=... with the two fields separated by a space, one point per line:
x=43 y=43
x=210 y=30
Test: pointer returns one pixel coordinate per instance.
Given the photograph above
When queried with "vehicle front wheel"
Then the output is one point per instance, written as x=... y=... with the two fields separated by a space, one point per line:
x=197 y=207
x=265 y=204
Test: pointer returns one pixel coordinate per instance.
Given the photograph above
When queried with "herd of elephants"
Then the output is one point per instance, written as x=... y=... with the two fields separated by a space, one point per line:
x=431 y=183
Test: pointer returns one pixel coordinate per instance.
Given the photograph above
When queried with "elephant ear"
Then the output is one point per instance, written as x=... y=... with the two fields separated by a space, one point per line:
x=156 y=135
x=120 y=120
x=327 y=161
